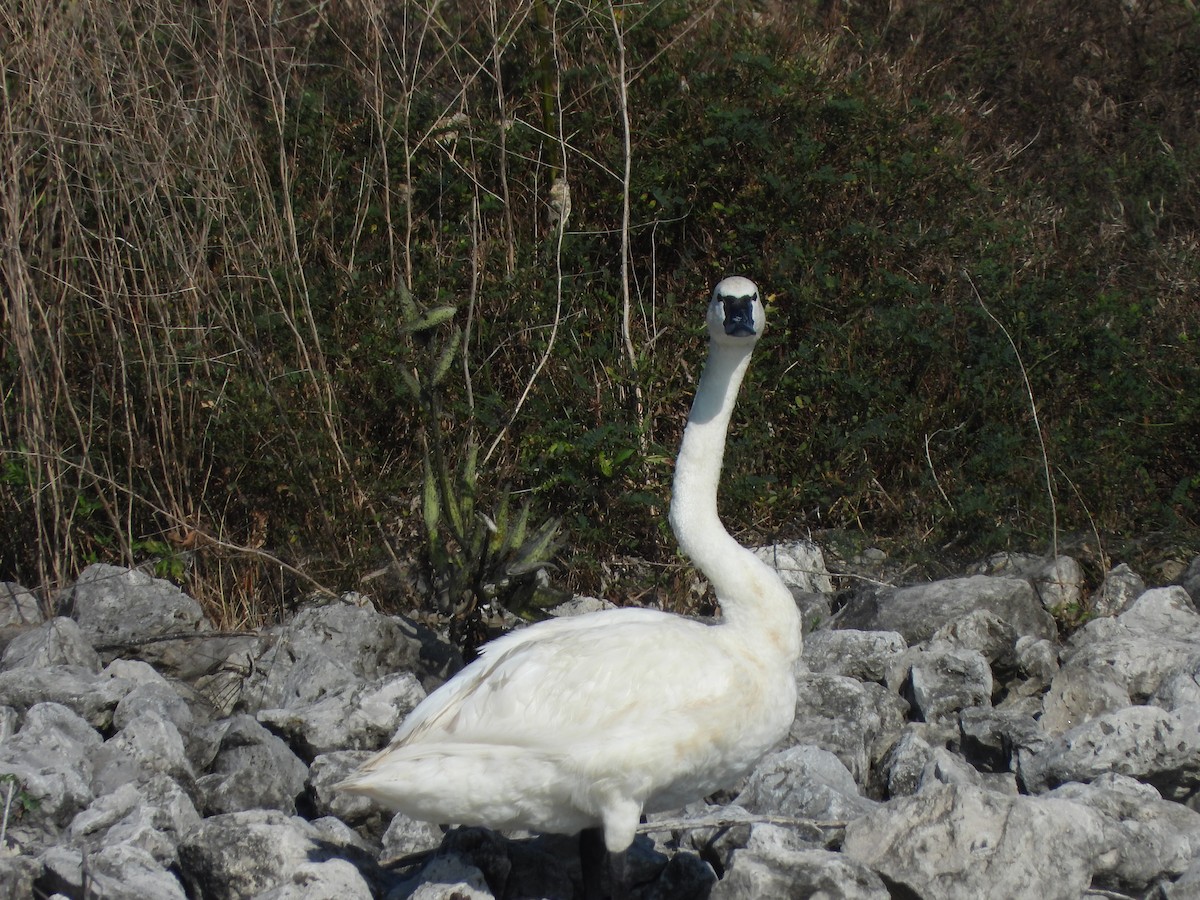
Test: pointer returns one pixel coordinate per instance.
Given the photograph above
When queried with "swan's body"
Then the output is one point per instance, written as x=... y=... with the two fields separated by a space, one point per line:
x=591 y=720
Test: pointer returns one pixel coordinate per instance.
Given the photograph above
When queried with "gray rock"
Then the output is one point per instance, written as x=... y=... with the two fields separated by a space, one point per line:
x=993 y=739
x=1077 y=695
x=944 y=767
x=51 y=761
x=714 y=832
x=237 y=856
x=920 y=610
x=855 y=654
x=685 y=877
x=1145 y=742
x=1009 y=564
x=330 y=879
x=581 y=606
x=944 y=680
x=853 y=720
x=800 y=564
x=1154 y=839
x=17 y=874
x=92 y=696
x=253 y=769
x=762 y=838
x=152 y=816
x=166 y=701
x=326 y=771
x=327 y=648
x=901 y=769
x=148 y=745
x=445 y=877
x=1190 y=579
x=58 y=642
x=984 y=632
x=804 y=782
x=959 y=841
x=1037 y=659
x=359 y=716
x=1059 y=583
x=1121 y=586
x=1156 y=637
x=114 y=872
x=1179 y=689
x=816 y=610
x=405 y=836
x=1187 y=887
x=114 y=605
x=780 y=872
x=19 y=606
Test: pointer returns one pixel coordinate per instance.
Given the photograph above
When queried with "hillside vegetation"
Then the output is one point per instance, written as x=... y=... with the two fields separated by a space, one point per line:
x=366 y=284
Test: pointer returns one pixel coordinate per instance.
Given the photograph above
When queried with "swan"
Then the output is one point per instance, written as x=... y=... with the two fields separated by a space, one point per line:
x=586 y=722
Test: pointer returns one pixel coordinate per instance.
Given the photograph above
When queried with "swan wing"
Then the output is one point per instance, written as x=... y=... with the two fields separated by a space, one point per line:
x=579 y=676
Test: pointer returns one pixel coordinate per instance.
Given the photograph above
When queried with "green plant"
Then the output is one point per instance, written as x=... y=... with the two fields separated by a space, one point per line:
x=16 y=802
x=471 y=558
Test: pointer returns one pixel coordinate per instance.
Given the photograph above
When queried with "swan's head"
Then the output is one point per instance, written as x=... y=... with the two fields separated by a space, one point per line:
x=736 y=315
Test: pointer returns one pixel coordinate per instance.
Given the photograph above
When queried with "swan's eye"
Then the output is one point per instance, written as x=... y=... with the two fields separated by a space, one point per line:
x=739 y=316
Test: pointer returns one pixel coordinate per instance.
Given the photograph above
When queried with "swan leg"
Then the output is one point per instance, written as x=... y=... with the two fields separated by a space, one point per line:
x=618 y=874
x=592 y=854
x=594 y=859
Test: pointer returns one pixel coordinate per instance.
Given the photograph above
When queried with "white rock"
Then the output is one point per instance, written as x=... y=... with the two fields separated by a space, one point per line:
x=800 y=564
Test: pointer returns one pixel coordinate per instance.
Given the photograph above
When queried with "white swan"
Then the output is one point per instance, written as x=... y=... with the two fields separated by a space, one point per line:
x=593 y=720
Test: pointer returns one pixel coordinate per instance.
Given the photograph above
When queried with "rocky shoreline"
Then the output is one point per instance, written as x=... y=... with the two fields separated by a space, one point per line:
x=947 y=744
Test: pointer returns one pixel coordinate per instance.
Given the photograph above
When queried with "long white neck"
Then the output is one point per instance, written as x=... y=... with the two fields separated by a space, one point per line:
x=751 y=594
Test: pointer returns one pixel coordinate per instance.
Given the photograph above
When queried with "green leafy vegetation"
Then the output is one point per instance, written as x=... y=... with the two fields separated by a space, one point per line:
x=285 y=298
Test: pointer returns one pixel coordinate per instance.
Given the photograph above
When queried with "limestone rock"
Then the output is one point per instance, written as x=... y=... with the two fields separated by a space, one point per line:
x=805 y=782
x=90 y=695
x=944 y=680
x=148 y=745
x=960 y=841
x=801 y=565
x=849 y=718
x=115 y=872
x=1190 y=579
x=984 y=632
x=918 y=611
x=993 y=739
x=757 y=873
x=58 y=642
x=1078 y=694
x=1156 y=637
x=1145 y=742
x=114 y=605
x=253 y=769
x=50 y=759
x=1154 y=838
x=237 y=856
x=1121 y=586
x=358 y=716
x=1059 y=583
x=327 y=648
x=19 y=606
x=852 y=653
x=152 y=816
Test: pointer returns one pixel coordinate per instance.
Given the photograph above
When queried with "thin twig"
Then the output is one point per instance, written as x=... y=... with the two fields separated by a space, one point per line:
x=1033 y=408
x=559 y=231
